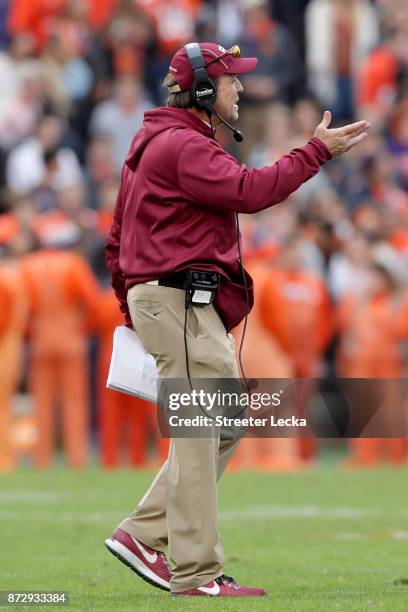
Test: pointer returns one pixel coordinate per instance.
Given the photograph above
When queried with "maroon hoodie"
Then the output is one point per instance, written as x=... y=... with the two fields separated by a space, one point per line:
x=177 y=202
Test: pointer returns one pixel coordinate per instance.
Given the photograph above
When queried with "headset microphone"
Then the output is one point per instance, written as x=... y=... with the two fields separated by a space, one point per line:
x=238 y=137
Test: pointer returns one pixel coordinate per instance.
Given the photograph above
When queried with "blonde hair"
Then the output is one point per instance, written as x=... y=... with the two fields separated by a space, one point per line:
x=180 y=99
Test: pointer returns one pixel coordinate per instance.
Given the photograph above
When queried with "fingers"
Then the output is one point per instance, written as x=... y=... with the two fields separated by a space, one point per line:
x=340 y=140
x=361 y=130
x=326 y=121
x=354 y=128
x=355 y=141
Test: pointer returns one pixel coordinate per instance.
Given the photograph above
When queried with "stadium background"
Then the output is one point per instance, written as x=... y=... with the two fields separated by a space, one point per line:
x=301 y=520
x=330 y=264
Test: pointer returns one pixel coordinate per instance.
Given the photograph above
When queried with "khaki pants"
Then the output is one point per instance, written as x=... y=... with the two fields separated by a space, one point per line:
x=180 y=508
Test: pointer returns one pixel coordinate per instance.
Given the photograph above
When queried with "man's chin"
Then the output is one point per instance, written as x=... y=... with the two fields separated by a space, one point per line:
x=232 y=117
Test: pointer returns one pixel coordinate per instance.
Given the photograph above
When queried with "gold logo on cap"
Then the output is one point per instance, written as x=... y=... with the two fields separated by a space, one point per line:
x=235 y=51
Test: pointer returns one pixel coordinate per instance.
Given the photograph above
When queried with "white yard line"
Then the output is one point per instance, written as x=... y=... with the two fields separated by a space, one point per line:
x=258 y=513
x=59 y=517
x=45 y=497
x=294 y=512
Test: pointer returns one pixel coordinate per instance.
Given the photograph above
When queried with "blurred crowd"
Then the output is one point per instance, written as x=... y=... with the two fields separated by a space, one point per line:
x=330 y=264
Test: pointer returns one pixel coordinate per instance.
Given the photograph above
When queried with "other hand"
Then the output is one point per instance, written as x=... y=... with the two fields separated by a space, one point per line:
x=340 y=140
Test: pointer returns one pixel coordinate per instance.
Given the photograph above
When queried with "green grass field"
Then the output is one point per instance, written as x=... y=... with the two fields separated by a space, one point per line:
x=322 y=540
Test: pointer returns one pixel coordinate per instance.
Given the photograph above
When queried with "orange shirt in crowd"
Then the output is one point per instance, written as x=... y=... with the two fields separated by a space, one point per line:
x=263 y=358
x=174 y=21
x=371 y=332
x=295 y=308
x=9 y=227
x=11 y=277
x=7 y=460
x=63 y=295
x=6 y=305
x=37 y=16
x=262 y=355
x=13 y=311
x=377 y=77
x=399 y=240
x=104 y=221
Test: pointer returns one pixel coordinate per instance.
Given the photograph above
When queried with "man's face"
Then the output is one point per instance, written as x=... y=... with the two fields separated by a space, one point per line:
x=228 y=91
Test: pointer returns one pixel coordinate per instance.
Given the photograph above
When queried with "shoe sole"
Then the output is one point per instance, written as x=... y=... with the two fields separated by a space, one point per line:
x=122 y=553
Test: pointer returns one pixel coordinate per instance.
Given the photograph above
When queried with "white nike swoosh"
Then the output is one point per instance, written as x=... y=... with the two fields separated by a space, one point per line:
x=150 y=557
x=214 y=590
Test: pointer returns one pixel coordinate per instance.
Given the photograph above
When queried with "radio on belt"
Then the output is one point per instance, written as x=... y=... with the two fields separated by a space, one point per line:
x=200 y=287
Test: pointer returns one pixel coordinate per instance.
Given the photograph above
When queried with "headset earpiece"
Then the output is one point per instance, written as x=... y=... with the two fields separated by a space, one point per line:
x=203 y=91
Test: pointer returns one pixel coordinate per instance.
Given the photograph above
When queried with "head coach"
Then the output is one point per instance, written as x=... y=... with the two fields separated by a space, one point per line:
x=173 y=250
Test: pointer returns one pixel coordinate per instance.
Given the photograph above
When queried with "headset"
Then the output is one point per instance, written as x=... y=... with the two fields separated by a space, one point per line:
x=203 y=91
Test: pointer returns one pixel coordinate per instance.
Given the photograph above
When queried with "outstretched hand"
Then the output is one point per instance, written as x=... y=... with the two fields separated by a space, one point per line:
x=341 y=140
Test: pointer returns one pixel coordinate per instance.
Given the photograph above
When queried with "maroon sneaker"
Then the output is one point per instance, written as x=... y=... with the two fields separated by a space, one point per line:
x=149 y=564
x=223 y=586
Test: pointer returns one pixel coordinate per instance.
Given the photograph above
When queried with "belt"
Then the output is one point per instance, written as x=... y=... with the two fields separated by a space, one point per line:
x=200 y=286
x=177 y=281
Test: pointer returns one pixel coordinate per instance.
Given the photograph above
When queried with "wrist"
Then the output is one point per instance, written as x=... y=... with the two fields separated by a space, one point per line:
x=323 y=149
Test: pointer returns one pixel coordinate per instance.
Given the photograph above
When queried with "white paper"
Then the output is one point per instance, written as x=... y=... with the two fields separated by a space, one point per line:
x=132 y=370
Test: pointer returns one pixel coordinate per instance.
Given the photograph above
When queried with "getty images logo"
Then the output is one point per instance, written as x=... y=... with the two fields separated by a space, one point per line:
x=204 y=92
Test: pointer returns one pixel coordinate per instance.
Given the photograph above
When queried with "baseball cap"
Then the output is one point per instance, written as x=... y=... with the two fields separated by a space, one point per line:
x=217 y=60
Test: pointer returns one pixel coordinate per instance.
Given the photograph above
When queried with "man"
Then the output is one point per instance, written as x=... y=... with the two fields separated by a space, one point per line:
x=67 y=301
x=176 y=212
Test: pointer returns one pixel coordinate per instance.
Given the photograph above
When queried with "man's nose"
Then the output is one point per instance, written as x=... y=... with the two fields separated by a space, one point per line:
x=239 y=86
